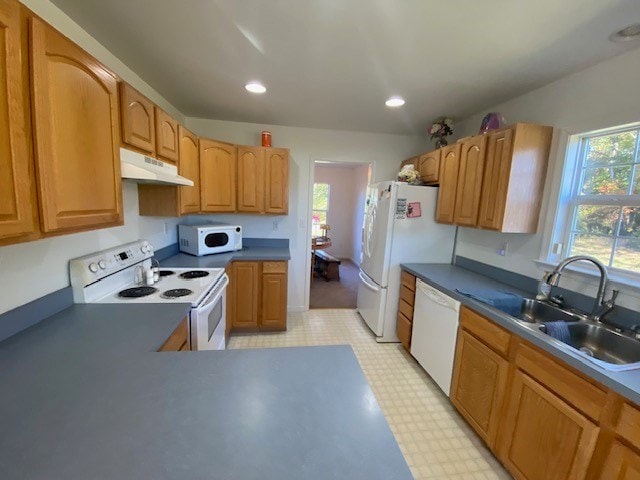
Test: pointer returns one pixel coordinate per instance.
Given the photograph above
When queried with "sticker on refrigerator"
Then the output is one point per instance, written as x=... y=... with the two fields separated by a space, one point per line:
x=413 y=210
x=401 y=208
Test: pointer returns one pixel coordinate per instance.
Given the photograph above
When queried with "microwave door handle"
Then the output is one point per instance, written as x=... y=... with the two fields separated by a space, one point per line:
x=217 y=293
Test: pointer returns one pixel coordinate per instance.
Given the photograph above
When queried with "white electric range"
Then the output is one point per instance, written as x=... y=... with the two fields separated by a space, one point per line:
x=117 y=275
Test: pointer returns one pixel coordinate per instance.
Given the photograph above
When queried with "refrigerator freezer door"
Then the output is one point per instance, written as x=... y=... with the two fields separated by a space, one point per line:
x=372 y=300
x=378 y=229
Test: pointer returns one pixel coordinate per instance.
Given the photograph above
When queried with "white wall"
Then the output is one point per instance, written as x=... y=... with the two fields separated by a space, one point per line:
x=306 y=146
x=604 y=95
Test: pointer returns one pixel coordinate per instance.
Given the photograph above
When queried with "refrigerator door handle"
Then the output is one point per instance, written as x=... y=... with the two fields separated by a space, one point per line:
x=368 y=284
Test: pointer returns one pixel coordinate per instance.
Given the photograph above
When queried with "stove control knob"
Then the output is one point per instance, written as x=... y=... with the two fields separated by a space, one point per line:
x=93 y=267
x=143 y=249
x=102 y=264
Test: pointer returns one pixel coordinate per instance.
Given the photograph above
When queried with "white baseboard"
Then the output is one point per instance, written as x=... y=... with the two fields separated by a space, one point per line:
x=296 y=308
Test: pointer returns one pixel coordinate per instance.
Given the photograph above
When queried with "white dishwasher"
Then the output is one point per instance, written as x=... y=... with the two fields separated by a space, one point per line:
x=435 y=328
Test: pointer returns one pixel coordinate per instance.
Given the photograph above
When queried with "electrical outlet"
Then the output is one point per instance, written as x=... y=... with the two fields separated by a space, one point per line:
x=166 y=228
x=504 y=251
x=275 y=225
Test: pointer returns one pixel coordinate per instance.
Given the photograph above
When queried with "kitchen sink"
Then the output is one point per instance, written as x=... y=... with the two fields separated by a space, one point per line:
x=536 y=311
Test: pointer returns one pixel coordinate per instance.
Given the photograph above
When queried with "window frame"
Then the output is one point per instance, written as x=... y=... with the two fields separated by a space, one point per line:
x=313 y=210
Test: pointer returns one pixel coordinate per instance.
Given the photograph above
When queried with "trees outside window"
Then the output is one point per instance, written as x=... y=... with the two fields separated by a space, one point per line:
x=320 y=207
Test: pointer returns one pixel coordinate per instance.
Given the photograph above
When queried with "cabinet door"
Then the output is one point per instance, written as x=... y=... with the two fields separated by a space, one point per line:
x=544 y=438
x=496 y=180
x=18 y=210
x=478 y=385
x=189 y=167
x=470 y=181
x=217 y=176
x=167 y=137
x=449 y=165
x=138 y=119
x=622 y=463
x=274 y=296
x=246 y=293
x=277 y=181
x=429 y=166
x=251 y=179
x=77 y=143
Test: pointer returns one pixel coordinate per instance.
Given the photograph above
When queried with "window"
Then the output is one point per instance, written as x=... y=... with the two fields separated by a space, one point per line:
x=603 y=214
x=320 y=208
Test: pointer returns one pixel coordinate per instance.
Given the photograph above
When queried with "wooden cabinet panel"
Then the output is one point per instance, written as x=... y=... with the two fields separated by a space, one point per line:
x=407 y=295
x=178 y=340
x=277 y=181
x=496 y=180
x=251 y=179
x=628 y=425
x=405 y=309
x=189 y=167
x=478 y=385
x=410 y=161
x=429 y=166
x=138 y=119
x=75 y=106
x=622 y=463
x=449 y=166
x=404 y=328
x=18 y=204
x=274 y=301
x=491 y=334
x=217 y=176
x=467 y=203
x=544 y=438
x=167 y=137
x=408 y=280
x=246 y=294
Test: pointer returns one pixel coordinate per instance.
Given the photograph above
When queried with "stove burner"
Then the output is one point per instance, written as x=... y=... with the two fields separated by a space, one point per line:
x=177 y=292
x=137 y=292
x=194 y=274
x=166 y=273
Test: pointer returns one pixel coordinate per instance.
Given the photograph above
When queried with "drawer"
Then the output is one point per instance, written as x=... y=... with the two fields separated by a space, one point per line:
x=407 y=295
x=576 y=390
x=274 y=267
x=408 y=281
x=494 y=336
x=403 y=329
x=406 y=309
x=628 y=426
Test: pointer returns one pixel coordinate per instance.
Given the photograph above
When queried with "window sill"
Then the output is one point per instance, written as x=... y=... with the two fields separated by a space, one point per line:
x=629 y=280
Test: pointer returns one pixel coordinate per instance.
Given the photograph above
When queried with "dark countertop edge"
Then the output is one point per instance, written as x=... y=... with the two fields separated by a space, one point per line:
x=538 y=339
x=221 y=260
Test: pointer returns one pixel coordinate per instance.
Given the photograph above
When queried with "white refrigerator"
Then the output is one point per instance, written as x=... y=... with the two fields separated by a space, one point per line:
x=399 y=227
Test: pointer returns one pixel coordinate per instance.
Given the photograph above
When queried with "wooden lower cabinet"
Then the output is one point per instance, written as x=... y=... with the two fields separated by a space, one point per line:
x=178 y=341
x=621 y=463
x=404 y=325
x=257 y=298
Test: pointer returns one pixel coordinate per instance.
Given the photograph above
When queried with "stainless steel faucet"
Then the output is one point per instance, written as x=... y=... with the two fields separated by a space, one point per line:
x=600 y=307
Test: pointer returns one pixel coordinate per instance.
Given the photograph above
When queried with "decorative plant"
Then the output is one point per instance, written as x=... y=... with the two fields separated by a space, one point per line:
x=408 y=174
x=441 y=128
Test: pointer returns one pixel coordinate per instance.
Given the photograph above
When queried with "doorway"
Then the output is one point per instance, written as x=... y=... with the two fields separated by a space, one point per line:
x=338 y=194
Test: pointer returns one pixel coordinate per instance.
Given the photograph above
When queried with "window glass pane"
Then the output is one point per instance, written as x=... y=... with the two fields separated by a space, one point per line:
x=319 y=218
x=607 y=181
x=630 y=224
x=596 y=219
x=627 y=254
x=611 y=149
x=599 y=247
x=320 y=196
x=636 y=181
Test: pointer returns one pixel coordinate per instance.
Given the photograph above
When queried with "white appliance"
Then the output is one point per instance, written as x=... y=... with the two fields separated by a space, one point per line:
x=209 y=238
x=117 y=275
x=391 y=236
x=145 y=169
x=435 y=329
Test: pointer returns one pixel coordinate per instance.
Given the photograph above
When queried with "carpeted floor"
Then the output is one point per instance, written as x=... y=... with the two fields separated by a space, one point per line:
x=336 y=293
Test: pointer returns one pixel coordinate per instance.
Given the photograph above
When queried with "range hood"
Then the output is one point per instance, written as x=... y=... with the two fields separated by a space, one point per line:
x=144 y=169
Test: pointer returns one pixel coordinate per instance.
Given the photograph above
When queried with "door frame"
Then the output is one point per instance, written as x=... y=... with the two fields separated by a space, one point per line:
x=309 y=213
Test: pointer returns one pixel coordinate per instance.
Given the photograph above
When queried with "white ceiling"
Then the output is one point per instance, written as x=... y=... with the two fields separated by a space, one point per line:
x=333 y=63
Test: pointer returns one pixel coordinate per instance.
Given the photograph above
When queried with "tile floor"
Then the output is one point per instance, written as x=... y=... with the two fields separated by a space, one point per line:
x=434 y=439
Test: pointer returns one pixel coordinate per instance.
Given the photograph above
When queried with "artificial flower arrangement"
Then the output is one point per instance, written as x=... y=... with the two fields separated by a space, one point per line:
x=409 y=174
x=440 y=129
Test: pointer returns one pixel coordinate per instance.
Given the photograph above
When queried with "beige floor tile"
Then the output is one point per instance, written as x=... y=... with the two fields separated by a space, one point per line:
x=433 y=438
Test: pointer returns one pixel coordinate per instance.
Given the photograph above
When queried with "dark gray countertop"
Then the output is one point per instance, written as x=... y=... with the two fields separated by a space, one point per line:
x=221 y=260
x=84 y=394
x=447 y=278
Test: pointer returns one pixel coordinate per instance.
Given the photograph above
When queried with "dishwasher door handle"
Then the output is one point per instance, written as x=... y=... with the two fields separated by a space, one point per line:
x=367 y=284
x=437 y=296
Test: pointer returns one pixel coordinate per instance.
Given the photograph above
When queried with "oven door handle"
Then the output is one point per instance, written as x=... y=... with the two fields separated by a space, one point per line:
x=217 y=293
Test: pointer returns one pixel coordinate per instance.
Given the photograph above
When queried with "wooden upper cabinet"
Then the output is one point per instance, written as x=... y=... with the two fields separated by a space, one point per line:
x=138 y=119
x=217 y=176
x=77 y=140
x=515 y=170
x=189 y=167
x=410 y=161
x=277 y=181
x=429 y=166
x=251 y=179
x=469 y=181
x=18 y=204
x=449 y=165
x=167 y=137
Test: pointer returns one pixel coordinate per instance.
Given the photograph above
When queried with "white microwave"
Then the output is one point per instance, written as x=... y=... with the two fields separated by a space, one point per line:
x=210 y=238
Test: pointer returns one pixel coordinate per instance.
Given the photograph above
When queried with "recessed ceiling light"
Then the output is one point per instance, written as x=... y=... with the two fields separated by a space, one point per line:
x=394 y=102
x=632 y=32
x=255 y=87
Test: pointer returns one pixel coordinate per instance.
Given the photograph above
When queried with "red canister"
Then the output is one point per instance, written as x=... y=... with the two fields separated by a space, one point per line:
x=266 y=138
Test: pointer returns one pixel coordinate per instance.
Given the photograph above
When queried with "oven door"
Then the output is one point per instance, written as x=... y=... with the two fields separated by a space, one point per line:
x=208 y=321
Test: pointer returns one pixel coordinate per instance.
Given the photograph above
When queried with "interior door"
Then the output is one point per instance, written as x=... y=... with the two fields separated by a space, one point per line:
x=378 y=227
